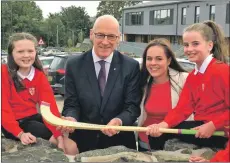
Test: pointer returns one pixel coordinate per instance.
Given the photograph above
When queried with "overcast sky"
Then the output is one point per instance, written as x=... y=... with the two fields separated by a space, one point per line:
x=55 y=6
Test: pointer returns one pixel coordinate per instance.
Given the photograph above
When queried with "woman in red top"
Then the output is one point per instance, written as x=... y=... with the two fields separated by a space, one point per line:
x=206 y=91
x=162 y=80
x=24 y=86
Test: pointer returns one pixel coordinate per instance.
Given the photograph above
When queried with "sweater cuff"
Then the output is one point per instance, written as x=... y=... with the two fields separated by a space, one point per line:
x=17 y=131
x=57 y=134
x=168 y=122
x=218 y=123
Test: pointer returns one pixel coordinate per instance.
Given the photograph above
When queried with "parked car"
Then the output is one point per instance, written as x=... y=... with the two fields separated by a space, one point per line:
x=186 y=64
x=56 y=73
x=52 y=52
x=3 y=57
x=46 y=61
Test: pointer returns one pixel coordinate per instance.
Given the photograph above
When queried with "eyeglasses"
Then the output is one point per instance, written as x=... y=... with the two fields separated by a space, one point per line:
x=110 y=37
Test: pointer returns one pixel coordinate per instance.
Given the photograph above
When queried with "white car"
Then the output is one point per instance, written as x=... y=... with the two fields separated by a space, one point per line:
x=46 y=61
x=3 y=57
x=186 y=64
x=53 y=52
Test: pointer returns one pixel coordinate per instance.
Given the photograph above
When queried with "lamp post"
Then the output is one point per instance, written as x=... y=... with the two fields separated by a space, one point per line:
x=57 y=43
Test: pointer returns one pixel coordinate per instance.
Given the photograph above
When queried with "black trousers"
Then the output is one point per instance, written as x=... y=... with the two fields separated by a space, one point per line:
x=157 y=143
x=91 y=140
x=33 y=124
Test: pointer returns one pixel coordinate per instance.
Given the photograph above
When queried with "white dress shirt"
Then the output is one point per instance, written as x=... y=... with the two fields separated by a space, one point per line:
x=204 y=65
x=30 y=76
x=97 y=65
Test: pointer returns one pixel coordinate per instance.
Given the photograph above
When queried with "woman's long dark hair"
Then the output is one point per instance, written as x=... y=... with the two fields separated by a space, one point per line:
x=145 y=76
x=11 y=64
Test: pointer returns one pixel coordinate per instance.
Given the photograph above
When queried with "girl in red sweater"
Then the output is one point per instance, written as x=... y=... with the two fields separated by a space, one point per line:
x=206 y=91
x=24 y=86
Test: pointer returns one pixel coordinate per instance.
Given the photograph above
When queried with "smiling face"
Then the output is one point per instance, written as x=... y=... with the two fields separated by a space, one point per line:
x=104 y=46
x=24 y=54
x=196 y=48
x=157 y=63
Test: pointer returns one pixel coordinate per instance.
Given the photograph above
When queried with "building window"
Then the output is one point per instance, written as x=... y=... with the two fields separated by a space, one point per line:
x=212 y=12
x=197 y=14
x=127 y=19
x=228 y=14
x=161 y=17
x=183 y=16
x=134 y=18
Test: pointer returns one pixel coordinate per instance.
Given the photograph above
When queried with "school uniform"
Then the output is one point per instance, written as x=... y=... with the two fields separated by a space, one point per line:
x=206 y=94
x=19 y=111
x=222 y=155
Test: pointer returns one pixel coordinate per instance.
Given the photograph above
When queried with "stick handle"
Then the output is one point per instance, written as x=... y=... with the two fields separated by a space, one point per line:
x=144 y=129
x=56 y=121
x=193 y=132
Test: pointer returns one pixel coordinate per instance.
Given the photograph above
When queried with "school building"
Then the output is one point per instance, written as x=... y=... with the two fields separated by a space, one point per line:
x=147 y=21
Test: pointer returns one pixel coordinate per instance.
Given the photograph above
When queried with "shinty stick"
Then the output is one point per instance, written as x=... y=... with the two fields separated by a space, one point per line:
x=56 y=121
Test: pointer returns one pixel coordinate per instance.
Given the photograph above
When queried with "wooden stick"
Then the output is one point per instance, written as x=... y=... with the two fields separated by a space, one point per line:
x=56 y=121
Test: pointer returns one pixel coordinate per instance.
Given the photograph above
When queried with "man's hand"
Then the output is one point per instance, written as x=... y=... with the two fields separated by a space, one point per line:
x=27 y=138
x=205 y=131
x=65 y=129
x=153 y=130
x=113 y=122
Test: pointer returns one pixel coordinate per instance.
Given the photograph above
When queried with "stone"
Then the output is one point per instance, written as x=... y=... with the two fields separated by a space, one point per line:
x=176 y=144
x=42 y=151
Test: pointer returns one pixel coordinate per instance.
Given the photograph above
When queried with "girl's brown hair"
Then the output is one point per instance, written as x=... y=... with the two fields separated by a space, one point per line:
x=212 y=32
x=11 y=64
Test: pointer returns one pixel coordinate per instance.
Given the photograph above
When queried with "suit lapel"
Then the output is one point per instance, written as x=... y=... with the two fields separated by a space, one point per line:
x=112 y=77
x=90 y=71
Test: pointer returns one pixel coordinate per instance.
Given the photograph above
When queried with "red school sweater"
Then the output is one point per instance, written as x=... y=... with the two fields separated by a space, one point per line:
x=222 y=155
x=18 y=105
x=206 y=95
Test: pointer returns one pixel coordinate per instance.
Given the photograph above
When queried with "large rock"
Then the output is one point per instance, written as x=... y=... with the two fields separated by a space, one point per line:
x=115 y=154
x=43 y=151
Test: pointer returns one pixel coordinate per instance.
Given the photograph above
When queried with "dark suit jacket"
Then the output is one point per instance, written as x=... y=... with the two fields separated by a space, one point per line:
x=83 y=101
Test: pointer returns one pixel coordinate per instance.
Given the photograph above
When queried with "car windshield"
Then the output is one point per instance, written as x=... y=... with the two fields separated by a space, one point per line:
x=58 y=63
x=187 y=66
x=46 y=62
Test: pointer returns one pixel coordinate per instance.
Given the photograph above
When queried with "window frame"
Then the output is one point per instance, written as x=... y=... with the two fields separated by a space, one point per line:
x=161 y=17
x=211 y=14
x=197 y=14
x=183 y=16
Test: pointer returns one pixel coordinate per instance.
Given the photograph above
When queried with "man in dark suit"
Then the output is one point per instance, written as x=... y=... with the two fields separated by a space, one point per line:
x=102 y=86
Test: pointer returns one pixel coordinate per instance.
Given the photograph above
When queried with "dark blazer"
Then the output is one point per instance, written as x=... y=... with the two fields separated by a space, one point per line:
x=83 y=100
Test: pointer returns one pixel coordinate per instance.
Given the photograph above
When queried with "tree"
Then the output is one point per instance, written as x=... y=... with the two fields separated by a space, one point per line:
x=25 y=16
x=19 y=16
x=113 y=7
x=75 y=19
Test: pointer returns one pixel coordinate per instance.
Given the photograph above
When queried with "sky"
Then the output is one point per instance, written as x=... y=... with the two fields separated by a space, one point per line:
x=55 y=6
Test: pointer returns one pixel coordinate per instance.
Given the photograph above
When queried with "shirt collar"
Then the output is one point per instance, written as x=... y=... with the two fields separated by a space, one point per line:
x=30 y=76
x=204 y=65
x=97 y=59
